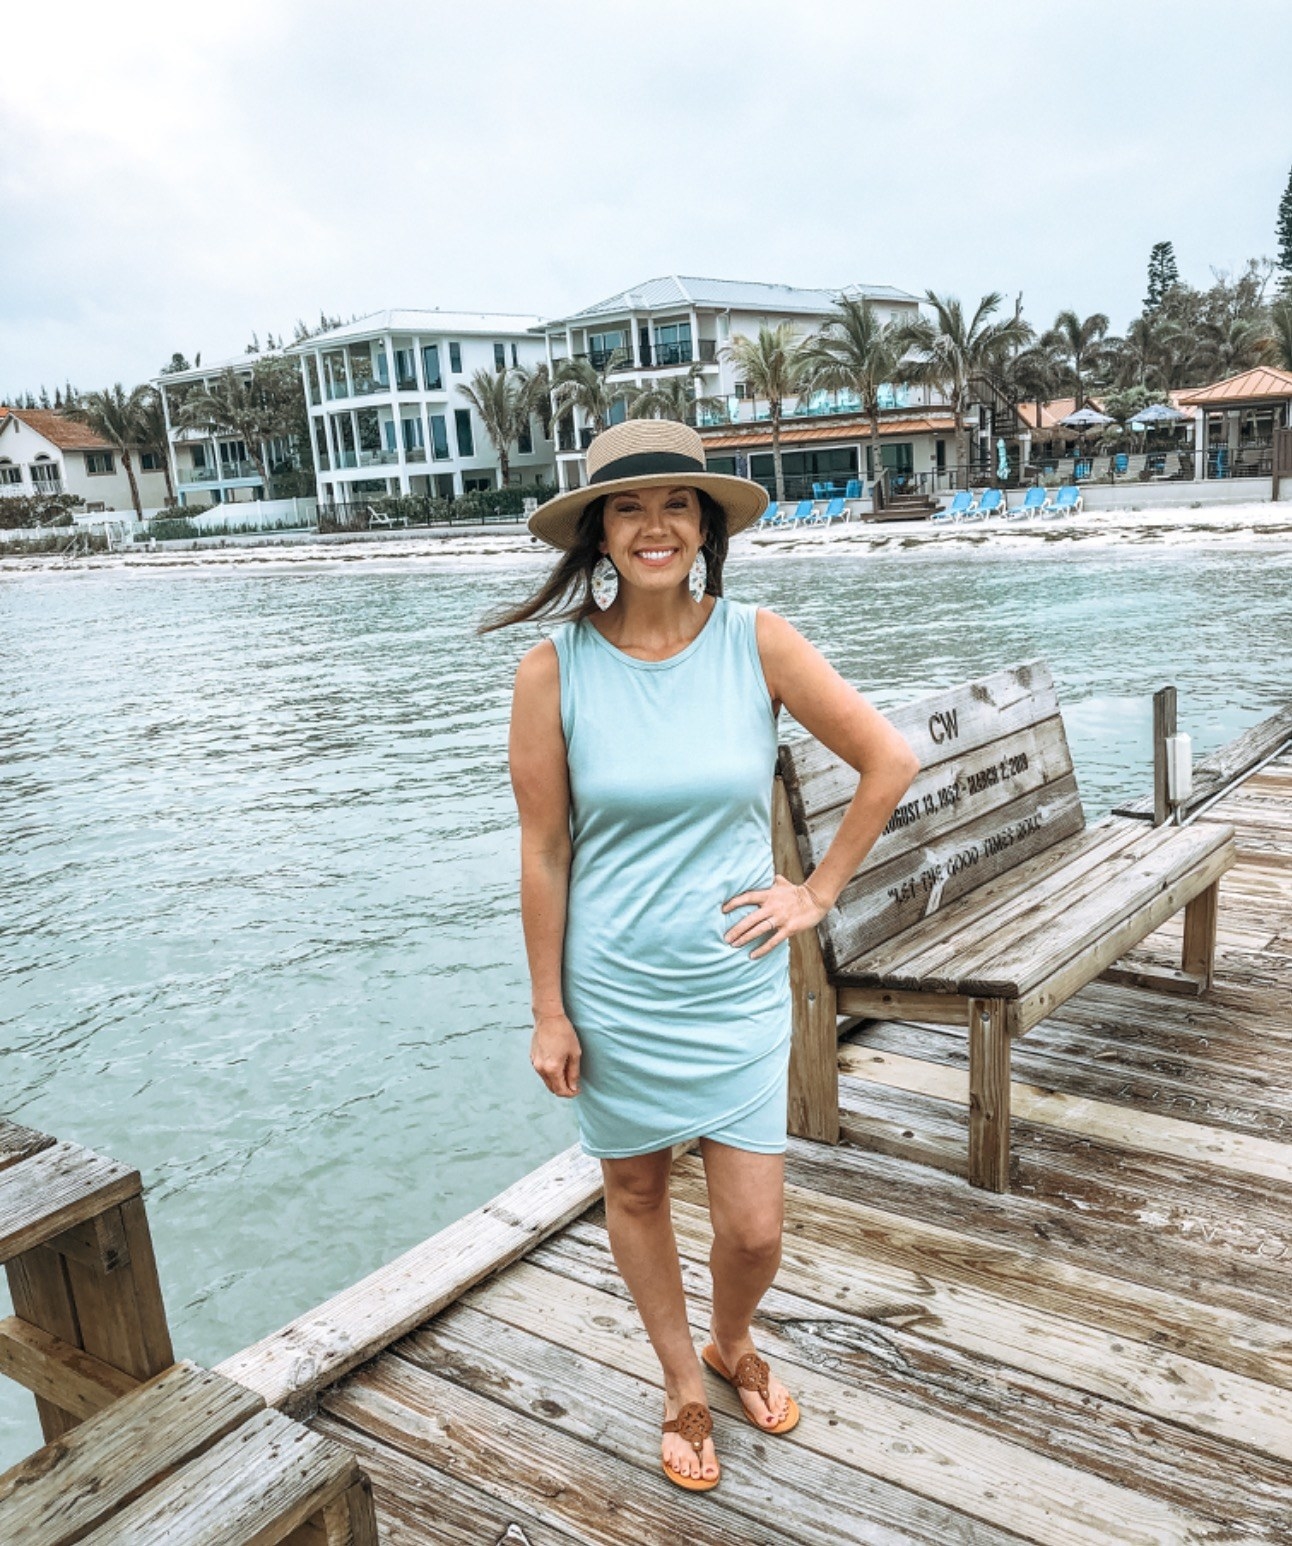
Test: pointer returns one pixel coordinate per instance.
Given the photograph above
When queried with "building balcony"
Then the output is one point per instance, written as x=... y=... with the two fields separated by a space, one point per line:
x=378 y=458
x=370 y=386
x=47 y=484
x=345 y=459
x=226 y=472
x=415 y=454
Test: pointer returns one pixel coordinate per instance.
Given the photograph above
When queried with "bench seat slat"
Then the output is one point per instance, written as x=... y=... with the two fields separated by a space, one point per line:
x=1060 y=917
x=53 y=1189
x=998 y=900
x=1068 y=880
x=65 y=1490
x=256 y=1485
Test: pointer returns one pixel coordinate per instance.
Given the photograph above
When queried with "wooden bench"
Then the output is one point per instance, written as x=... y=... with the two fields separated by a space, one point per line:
x=138 y=1448
x=188 y=1457
x=986 y=901
x=88 y=1318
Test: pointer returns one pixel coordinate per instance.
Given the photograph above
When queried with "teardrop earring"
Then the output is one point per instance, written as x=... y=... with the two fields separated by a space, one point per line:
x=698 y=576
x=605 y=582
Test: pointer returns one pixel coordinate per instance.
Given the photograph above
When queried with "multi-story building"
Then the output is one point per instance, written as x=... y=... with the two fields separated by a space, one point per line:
x=386 y=414
x=211 y=468
x=679 y=325
x=42 y=451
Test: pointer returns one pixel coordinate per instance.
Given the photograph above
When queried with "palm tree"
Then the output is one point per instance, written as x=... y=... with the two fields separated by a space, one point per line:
x=118 y=416
x=1078 y=342
x=579 y=384
x=537 y=384
x=672 y=397
x=252 y=408
x=502 y=400
x=772 y=365
x=1278 y=338
x=1232 y=345
x=156 y=440
x=952 y=354
x=855 y=352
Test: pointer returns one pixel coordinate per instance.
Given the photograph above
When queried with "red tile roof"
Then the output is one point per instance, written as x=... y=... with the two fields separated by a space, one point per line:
x=849 y=431
x=1256 y=385
x=59 y=430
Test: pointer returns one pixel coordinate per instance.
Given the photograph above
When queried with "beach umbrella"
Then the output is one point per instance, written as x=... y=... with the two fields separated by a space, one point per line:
x=1086 y=418
x=1160 y=413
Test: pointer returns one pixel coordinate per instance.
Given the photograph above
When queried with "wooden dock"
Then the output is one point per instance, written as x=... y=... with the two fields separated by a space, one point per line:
x=1101 y=1356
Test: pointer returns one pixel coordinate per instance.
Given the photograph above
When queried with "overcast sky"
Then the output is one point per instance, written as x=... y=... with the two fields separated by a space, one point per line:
x=175 y=176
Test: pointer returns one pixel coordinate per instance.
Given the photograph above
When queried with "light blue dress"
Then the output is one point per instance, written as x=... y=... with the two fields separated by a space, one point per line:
x=671 y=768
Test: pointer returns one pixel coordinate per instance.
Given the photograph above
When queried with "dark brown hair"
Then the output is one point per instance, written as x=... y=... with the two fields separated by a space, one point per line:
x=572 y=574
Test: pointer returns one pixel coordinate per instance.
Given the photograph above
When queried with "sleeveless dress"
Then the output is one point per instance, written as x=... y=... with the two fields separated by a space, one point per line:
x=671 y=768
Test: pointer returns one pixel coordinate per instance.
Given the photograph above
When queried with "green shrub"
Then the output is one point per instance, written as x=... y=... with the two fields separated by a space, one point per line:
x=21 y=510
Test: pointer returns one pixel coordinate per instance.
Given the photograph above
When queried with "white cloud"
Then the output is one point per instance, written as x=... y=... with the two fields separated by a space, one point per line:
x=173 y=177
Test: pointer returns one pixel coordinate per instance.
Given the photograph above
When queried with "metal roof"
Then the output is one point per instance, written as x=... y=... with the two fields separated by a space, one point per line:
x=676 y=291
x=430 y=322
x=1259 y=384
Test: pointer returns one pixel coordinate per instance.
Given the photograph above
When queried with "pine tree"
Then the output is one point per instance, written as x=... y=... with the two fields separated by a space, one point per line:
x=1283 y=229
x=1163 y=275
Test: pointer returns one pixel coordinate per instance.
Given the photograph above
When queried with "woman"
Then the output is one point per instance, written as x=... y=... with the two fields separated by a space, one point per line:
x=643 y=750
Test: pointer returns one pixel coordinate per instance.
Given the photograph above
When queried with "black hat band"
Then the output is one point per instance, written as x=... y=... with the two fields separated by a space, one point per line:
x=646 y=464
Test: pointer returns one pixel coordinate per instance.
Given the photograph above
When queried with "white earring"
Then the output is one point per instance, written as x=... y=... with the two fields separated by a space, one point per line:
x=605 y=581
x=696 y=579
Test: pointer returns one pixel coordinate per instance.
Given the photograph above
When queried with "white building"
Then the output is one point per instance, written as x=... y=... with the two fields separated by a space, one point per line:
x=43 y=451
x=665 y=326
x=386 y=414
x=213 y=469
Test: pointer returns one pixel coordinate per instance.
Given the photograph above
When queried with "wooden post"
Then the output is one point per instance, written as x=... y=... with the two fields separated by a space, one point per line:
x=814 y=1052
x=1163 y=726
x=1200 y=918
x=988 y=1094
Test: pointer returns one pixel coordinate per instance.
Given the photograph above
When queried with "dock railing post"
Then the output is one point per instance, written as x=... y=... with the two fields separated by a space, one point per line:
x=1163 y=726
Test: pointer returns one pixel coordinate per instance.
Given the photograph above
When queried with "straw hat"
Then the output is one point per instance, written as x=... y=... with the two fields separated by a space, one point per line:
x=647 y=453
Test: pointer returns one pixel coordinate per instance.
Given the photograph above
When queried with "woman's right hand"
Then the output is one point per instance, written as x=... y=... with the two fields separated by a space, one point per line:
x=555 y=1052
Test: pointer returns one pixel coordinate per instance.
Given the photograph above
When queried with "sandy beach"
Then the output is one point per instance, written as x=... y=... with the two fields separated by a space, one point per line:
x=1262 y=524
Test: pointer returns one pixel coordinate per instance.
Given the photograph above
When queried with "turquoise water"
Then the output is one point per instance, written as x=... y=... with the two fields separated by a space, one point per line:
x=261 y=937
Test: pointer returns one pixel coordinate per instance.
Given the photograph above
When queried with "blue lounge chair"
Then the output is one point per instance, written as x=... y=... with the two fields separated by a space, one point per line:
x=834 y=511
x=1067 y=500
x=990 y=502
x=1034 y=502
x=957 y=509
x=801 y=513
x=769 y=516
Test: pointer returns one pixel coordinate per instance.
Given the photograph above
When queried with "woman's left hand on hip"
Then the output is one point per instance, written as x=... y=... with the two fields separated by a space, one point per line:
x=783 y=908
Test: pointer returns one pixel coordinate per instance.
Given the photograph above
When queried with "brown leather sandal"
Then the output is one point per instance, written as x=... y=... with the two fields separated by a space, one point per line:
x=752 y=1373
x=695 y=1423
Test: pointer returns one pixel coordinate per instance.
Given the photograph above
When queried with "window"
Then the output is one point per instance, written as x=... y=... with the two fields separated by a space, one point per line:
x=525 y=440
x=673 y=343
x=455 y=359
x=9 y=473
x=602 y=345
x=466 y=440
x=439 y=437
x=388 y=432
x=431 y=367
x=149 y=461
x=45 y=474
x=473 y=483
x=515 y=355
x=232 y=452
x=500 y=357
x=443 y=483
x=99 y=462
x=412 y=434
x=405 y=370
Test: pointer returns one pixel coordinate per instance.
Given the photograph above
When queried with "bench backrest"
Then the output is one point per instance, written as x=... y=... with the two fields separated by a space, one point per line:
x=995 y=786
